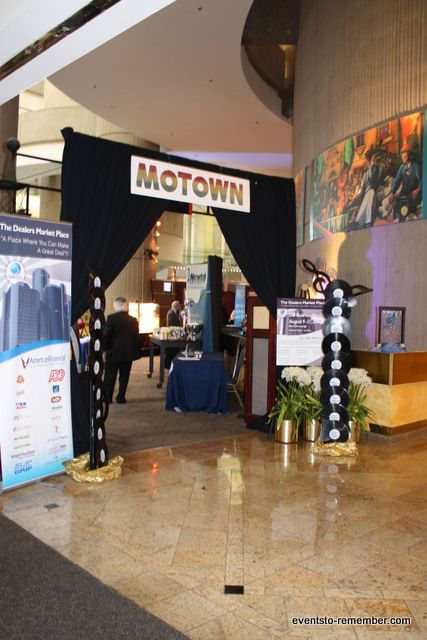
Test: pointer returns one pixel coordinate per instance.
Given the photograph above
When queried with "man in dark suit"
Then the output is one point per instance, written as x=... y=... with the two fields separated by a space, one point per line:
x=121 y=344
x=172 y=320
x=172 y=316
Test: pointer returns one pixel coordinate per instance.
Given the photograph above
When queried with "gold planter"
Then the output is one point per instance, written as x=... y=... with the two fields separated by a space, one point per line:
x=311 y=430
x=287 y=433
x=354 y=435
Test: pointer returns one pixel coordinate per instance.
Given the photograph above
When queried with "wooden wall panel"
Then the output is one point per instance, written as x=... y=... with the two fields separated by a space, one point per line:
x=392 y=260
x=358 y=63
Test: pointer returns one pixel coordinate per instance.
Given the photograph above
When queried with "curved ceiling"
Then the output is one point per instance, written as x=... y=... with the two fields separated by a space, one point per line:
x=177 y=79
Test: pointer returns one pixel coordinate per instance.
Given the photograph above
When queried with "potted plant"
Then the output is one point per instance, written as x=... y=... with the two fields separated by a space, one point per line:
x=359 y=414
x=287 y=410
x=312 y=406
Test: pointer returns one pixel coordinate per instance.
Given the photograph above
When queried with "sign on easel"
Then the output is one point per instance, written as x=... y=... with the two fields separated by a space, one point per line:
x=299 y=332
x=35 y=304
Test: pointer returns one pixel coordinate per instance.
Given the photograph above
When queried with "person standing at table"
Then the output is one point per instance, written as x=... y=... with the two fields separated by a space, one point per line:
x=172 y=320
x=172 y=316
x=120 y=341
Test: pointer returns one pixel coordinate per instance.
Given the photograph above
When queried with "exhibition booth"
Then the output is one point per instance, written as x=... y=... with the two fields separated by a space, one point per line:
x=114 y=193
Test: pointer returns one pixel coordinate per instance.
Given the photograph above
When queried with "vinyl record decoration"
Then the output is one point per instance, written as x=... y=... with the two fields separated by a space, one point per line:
x=340 y=297
x=336 y=361
x=98 y=407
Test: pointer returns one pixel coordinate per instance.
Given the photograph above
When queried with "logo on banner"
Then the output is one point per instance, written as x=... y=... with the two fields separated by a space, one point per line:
x=55 y=388
x=21 y=405
x=20 y=379
x=55 y=399
x=56 y=375
x=42 y=362
x=15 y=272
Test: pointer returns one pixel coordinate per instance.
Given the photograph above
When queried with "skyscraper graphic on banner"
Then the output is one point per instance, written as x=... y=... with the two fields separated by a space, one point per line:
x=34 y=313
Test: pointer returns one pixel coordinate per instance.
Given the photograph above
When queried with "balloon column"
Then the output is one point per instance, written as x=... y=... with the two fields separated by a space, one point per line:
x=98 y=456
x=340 y=297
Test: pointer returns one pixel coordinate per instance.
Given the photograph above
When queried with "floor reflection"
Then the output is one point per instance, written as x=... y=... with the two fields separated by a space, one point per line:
x=303 y=535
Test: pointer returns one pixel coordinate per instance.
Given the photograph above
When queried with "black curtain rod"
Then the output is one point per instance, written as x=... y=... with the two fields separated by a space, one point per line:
x=26 y=155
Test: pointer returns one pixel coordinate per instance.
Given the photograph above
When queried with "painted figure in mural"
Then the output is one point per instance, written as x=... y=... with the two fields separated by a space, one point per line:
x=406 y=188
x=343 y=189
x=366 y=199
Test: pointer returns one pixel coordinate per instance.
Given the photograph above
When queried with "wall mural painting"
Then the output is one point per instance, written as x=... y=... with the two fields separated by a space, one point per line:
x=371 y=179
x=300 y=180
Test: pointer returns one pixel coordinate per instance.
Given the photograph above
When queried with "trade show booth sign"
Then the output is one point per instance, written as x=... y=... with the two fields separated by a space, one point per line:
x=35 y=303
x=157 y=179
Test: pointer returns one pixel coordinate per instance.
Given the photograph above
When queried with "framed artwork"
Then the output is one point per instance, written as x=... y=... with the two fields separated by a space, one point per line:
x=391 y=325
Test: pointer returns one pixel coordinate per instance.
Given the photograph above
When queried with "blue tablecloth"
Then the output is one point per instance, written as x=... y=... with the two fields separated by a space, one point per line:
x=198 y=384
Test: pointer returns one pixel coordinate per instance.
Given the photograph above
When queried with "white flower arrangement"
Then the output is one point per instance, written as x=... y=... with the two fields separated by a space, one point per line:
x=358 y=410
x=315 y=374
x=296 y=374
x=359 y=377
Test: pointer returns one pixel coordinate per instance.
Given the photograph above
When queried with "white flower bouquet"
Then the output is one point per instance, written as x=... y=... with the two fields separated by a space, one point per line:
x=358 y=411
x=290 y=399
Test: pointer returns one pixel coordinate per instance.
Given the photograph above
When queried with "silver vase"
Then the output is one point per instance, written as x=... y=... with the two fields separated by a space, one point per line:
x=311 y=430
x=287 y=432
x=354 y=432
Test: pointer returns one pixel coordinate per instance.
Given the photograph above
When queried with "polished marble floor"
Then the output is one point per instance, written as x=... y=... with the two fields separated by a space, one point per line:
x=301 y=535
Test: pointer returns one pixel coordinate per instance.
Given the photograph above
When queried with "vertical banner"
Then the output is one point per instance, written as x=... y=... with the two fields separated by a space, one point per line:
x=239 y=304
x=197 y=280
x=35 y=304
x=299 y=332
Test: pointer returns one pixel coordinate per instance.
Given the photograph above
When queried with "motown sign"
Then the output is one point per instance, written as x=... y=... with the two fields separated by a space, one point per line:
x=158 y=179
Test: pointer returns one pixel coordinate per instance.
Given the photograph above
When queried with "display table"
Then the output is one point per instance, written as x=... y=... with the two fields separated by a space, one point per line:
x=164 y=345
x=197 y=384
x=398 y=396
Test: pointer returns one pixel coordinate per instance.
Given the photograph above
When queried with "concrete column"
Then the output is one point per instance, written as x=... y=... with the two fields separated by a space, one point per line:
x=8 y=129
x=50 y=201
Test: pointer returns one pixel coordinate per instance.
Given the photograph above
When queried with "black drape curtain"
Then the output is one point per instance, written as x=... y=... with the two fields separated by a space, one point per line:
x=263 y=241
x=109 y=223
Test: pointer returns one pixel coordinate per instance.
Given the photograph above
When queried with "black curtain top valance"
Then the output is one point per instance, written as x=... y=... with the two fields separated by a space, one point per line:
x=110 y=223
